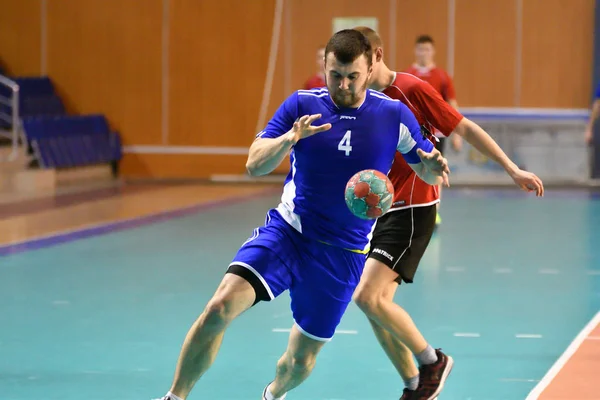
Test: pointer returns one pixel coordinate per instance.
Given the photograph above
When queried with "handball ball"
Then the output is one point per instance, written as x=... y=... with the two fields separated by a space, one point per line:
x=369 y=194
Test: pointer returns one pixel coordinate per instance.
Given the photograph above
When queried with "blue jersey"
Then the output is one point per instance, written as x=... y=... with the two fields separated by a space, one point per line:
x=361 y=138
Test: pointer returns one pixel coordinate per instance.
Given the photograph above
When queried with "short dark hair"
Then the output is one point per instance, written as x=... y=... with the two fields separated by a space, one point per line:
x=371 y=35
x=349 y=44
x=421 y=39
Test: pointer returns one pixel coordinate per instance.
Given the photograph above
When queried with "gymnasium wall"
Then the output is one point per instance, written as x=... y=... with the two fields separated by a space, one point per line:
x=183 y=80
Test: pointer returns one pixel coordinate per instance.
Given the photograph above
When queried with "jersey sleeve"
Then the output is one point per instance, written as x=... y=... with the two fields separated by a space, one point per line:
x=411 y=137
x=283 y=120
x=597 y=97
x=434 y=108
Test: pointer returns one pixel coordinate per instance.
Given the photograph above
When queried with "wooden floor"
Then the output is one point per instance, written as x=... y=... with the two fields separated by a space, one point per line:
x=577 y=376
x=46 y=215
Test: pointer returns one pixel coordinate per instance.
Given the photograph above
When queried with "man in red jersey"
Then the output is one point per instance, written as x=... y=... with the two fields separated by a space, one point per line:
x=318 y=79
x=424 y=67
x=402 y=235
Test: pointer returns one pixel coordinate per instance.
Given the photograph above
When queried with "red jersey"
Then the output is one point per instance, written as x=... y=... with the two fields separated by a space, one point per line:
x=315 y=81
x=436 y=77
x=432 y=112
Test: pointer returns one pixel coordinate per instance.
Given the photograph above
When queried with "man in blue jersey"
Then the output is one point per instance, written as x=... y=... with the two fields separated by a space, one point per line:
x=311 y=244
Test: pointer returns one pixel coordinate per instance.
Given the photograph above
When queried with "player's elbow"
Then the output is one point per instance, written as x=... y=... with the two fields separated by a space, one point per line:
x=465 y=128
x=254 y=172
x=251 y=168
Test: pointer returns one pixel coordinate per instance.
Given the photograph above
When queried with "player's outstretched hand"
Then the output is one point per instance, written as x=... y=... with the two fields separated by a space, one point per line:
x=434 y=161
x=528 y=182
x=303 y=128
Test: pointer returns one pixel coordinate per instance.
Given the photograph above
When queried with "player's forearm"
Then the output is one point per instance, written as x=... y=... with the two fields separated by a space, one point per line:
x=266 y=154
x=482 y=141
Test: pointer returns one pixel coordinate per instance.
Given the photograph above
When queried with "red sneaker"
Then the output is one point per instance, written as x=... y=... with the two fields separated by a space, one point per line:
x=432 y=377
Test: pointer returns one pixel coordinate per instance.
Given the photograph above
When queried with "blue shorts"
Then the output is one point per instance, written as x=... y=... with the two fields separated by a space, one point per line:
x=321 y=278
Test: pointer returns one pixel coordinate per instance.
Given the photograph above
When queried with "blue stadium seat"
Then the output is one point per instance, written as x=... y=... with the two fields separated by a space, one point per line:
x=35 y=86
x=69 y=141
x=41 y=105
x=37 y=97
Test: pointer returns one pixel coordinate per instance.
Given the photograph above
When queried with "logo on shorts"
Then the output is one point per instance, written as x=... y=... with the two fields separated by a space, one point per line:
x=384 y=253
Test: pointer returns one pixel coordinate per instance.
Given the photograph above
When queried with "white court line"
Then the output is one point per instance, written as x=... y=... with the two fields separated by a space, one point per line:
x=466 y=334
x=593 y=272
x=528 y=336
x=503 y=271
x=517 y=380
x=548 y=271
x=564 y=358
x=340 y=332
x=455 y=269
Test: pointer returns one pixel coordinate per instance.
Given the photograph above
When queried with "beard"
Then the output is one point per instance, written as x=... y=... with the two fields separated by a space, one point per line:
x=347 y=98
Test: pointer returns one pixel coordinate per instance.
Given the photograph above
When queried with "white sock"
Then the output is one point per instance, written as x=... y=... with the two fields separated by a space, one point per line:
x=269 y=395
x=171 y=396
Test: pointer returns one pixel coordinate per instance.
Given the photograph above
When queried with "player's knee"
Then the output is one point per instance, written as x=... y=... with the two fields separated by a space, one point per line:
x=233 y=296
x=219 y=311
x=298 y=364
x=368 y=299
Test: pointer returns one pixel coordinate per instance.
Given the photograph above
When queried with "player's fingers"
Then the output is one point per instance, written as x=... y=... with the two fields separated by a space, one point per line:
x=540 y=192
x=534 y=185
x=445 y=179
x=312 y=118
x=302 y=121
x=444 y=165
x=320 y=128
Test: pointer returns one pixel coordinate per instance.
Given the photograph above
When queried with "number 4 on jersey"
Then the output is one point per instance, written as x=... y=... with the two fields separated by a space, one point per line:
x=344 y=144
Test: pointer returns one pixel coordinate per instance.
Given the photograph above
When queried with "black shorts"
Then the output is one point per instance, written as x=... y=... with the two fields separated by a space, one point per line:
x=441 y=144
x=401 y=237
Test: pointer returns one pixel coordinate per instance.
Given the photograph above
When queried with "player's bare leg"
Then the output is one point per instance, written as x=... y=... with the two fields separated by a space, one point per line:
x=295 y=365
x=397 y=352
x=370 y=296
x=233 y=296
